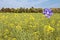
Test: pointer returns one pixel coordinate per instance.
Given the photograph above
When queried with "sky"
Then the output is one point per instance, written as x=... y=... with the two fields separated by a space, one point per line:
x=30 y=3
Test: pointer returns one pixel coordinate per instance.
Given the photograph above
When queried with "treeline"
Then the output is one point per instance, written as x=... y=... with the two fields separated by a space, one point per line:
x=27 y=10
x=56 y=10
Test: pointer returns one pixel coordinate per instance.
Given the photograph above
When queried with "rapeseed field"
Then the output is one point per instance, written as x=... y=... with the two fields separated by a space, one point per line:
x=29 y=26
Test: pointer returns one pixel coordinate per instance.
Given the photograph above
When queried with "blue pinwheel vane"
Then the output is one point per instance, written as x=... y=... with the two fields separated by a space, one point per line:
x=47 y=12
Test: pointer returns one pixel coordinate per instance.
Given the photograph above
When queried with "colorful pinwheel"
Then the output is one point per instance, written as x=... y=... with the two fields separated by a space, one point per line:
x=47 y=12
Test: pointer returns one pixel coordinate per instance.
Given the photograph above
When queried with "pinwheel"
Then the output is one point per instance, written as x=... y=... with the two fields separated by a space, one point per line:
x=47 y=12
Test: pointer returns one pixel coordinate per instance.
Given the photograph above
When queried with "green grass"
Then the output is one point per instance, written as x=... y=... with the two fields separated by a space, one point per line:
x=29 y=26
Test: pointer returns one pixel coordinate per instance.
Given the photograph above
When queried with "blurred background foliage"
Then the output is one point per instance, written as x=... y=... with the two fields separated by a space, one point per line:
x=27 y=10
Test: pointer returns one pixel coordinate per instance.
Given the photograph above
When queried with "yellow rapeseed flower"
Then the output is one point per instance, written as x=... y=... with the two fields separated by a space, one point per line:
x=59 y=21
x=25 y=15
x=31 y=17
x=6 y=16
x=36 y=23
x=32 y=26
x=2 y=17
x=5 y=22
x=40 y=39
x=16 y=14
x=14 y=39
x=18 y=27
x=6 y=31
x=48 y=29
x=36 y=35
x=6 y=36
x=11 y=25
x=57 y=38
x=26 y=20
x=58 y=24
x=1 y=38
x=9 y=38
